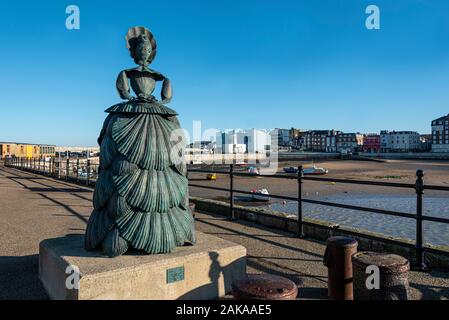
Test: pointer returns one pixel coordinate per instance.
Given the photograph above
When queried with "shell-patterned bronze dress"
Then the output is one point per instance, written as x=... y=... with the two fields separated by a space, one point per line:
x=141 y=195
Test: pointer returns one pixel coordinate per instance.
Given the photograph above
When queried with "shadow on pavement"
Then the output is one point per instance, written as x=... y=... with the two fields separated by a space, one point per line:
x=19 y=278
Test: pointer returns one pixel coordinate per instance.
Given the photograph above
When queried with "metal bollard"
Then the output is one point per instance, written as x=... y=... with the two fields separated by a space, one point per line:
x=264 y=287
x=337 y=259
x=392 y=276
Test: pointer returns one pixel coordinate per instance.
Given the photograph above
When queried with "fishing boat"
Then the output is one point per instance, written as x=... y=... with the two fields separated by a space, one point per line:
x=315 y=171
x=253 y=170
x=260 y=194
x=290 y=170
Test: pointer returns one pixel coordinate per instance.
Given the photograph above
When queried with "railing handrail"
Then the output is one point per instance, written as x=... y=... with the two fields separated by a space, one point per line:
x=293 y=176
x=418 y=186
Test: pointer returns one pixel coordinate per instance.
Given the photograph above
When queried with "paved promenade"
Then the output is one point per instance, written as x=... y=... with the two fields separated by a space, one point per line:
x=33 y=208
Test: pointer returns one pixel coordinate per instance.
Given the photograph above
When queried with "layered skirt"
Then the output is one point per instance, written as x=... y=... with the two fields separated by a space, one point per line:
x=141 y=195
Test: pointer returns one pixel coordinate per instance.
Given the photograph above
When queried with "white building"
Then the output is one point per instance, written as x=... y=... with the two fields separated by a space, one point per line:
x=399 y=141
x=243 y=141
x=440 y=134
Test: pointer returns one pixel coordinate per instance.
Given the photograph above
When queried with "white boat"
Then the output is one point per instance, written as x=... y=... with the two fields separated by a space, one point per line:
x=260 y=194
x=315 y=171
x=253 y=170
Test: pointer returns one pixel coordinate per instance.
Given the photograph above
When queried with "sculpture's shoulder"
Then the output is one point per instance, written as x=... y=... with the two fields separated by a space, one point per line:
x=135 y=106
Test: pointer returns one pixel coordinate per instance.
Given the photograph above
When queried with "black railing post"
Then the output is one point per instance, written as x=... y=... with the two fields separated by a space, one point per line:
x=88 y=172
x=67 y=167
x=77 y=169
x=231 y=191
x=419 y=186
x=300 y=222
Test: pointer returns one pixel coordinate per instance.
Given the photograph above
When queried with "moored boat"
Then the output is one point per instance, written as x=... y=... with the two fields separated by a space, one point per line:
x=260 y=194
x=315 y=171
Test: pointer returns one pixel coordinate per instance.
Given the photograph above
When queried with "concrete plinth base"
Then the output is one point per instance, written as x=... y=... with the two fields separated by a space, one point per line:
x=203 y=271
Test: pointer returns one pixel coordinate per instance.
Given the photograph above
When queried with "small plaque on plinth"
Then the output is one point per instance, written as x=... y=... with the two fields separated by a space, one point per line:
x=175 y=274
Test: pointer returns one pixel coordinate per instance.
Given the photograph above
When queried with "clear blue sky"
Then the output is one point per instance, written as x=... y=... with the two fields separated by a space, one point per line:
x=233 y=64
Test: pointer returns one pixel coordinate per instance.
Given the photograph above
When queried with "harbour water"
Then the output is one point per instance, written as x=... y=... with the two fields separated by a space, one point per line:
x=434 y=233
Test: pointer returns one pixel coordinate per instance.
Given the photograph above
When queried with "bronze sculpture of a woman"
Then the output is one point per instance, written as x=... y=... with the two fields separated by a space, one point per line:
x=141 y=195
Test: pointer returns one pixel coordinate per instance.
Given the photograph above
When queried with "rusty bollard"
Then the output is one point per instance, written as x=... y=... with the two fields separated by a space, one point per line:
x=264 y=287
x=380 y=276
x=337 y=259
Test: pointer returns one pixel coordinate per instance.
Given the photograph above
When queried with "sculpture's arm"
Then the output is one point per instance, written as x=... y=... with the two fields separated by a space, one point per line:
x=122 y=85
x=166 y=92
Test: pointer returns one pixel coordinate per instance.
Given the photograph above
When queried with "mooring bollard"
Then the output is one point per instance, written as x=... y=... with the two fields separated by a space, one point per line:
x=337 y=259
x=380 y=276
x=264 y=287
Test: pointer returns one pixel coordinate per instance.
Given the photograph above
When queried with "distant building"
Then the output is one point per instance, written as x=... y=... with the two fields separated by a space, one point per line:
x=371 y=143
x=26 y=150
x=426 y=142
x=320 y=140
x=440 y=134
x=200 y=144
x=399 y=141
x=243 y=141
x=296 y=138
x=349 y=142
x=283 y=136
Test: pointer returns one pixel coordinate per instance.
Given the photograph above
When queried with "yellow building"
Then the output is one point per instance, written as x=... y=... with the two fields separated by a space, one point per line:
x=26 y=150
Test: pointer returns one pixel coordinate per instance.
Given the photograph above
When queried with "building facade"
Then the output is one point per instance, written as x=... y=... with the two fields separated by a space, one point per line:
x=399 y=141
x=26 y=150
x=440 y=134
x=349 y=142
x=320 y=140
x=371 y=143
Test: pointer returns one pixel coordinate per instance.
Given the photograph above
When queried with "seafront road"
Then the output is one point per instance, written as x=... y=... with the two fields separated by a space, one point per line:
x=35 y=207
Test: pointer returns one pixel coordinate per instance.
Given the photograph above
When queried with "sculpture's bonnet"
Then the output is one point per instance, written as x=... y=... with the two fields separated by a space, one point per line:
x=132 y=42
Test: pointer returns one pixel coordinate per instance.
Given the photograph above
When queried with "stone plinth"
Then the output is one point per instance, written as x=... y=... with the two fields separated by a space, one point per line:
x=203 y=271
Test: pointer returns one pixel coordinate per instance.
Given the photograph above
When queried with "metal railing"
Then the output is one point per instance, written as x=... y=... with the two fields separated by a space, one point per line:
x=79 y=170
x=89 y=171
x=418 y=188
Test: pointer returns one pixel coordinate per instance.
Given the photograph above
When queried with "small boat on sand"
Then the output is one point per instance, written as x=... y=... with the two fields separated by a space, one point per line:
x=290 y=170
x=253 y=170
x=307 y=171
x=315 y=171
x=260 y=195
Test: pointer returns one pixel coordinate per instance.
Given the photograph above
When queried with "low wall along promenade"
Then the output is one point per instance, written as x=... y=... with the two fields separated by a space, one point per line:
x=320 y=230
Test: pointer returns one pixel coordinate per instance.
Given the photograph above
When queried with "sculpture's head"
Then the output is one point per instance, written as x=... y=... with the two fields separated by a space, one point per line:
x=141 y=44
